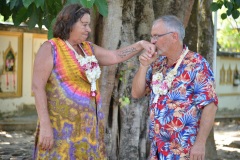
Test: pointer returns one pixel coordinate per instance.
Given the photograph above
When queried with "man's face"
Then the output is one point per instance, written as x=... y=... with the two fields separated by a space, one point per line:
x=161 y=37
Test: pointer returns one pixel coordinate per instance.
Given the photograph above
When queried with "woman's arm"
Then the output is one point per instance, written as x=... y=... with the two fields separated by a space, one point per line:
x=109 y=57
x=43 y=65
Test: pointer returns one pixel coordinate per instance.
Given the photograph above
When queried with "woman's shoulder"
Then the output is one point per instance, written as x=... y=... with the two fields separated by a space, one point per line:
x=46 y=44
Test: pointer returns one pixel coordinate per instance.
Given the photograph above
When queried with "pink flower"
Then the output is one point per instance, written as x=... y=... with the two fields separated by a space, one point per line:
x=164 y=85
x=155 y=82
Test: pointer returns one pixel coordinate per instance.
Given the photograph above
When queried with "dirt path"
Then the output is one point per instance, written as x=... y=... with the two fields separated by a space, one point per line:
x=18 y=145
x=227 y=139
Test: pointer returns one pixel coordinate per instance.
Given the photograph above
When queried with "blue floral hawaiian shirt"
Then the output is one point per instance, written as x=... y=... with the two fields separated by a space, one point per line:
x=175 y=118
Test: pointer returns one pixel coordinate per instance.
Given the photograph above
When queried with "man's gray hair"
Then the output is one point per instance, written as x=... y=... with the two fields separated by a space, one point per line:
x=172 y=23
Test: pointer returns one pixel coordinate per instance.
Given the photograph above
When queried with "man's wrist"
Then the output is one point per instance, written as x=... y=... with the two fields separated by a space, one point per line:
x=145 y=66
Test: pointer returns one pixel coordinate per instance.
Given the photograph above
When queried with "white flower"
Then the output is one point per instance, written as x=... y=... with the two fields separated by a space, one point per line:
x=158 y=76
x=161 y=86
x=90 y=65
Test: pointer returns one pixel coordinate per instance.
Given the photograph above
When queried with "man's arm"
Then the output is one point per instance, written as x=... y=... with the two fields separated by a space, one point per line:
x=139 y=82
x=206 y=124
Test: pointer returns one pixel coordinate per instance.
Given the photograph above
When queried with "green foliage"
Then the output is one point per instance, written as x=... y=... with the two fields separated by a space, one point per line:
x=231 y=5
x=42 y=12
x=124 y=101
x=229 y=38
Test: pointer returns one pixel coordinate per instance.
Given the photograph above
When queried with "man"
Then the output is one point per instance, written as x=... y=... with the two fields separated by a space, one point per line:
x=183 y=101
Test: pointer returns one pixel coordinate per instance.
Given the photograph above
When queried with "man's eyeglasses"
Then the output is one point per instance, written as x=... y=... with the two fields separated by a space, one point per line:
x=155 y=37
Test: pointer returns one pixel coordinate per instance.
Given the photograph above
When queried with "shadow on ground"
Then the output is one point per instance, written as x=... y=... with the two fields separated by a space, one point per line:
x=18 y=145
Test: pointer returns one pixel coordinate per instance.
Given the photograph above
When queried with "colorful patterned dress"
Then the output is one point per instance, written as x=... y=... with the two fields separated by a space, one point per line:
x=175 y=118
x=76 y=117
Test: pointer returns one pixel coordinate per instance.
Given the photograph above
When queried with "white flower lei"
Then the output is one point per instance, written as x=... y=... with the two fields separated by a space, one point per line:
x=91 y=67
x=161 y=86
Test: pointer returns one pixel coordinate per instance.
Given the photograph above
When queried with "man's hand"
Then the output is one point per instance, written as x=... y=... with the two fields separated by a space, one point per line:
x=197 y=151
x=147 y=58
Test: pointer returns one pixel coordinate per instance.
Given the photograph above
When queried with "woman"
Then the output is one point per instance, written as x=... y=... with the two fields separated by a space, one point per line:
x=65 y=85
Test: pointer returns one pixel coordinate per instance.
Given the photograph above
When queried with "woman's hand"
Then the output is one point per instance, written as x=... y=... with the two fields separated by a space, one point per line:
x=149 y=47
x=46 y=137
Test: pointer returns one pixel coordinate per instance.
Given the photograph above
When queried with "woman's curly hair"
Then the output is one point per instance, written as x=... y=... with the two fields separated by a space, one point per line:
x=66 y=18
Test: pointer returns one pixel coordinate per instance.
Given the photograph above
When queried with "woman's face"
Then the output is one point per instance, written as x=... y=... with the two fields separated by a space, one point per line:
x=81 y=29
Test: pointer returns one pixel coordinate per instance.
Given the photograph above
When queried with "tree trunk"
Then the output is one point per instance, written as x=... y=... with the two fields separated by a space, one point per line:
x=205 y=47
x=192 y=29
x=182 y=9
x=133 y=133
x=110 y=27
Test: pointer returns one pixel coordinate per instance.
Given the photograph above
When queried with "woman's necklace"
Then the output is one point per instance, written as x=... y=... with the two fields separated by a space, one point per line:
x=90 y=65
x=162 y=85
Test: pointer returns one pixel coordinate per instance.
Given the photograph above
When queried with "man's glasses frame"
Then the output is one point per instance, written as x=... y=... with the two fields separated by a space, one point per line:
x=155 y=37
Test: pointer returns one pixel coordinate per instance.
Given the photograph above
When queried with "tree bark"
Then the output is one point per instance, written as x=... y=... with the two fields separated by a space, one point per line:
x=181 y=9
x=205 y=30
x=133 y=132
x=109 y=37
x=192 y=29
x=205 y=47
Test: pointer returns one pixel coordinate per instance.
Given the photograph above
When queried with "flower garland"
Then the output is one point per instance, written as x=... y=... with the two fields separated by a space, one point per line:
x=160 y=85
x=90 y=66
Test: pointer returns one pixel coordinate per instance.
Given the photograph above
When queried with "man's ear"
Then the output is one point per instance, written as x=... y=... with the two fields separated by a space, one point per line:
x=175 y=36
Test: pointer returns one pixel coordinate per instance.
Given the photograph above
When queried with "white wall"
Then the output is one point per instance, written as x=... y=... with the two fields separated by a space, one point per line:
x=229 y=95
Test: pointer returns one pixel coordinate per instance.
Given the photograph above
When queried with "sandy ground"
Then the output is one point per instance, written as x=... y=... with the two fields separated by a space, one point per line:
x=227 y=139
x=18 y=145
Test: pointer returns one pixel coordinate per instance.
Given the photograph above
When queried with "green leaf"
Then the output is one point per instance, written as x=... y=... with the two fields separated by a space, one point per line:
x=220 y=4
x=50 y=33
x=126 y=100
x=5 y=9
x=33 y=19
x=225 y=3
x=40 y=20
x=56 y=7
x=72 y=2
x=229 y=6
x=87 y=3
x=50 y=30
x=13 y=3
x=229 y=12
x=49 y=2
x=39 y=3
x=102 y=7
x=235 y=14
x=27 y=3
x=237 y=2
x=214 y=6
x=223 y=15
x=20 y=17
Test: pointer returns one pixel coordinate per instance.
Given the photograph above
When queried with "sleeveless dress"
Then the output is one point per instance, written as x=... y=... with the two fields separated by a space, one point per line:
x=76 y=117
